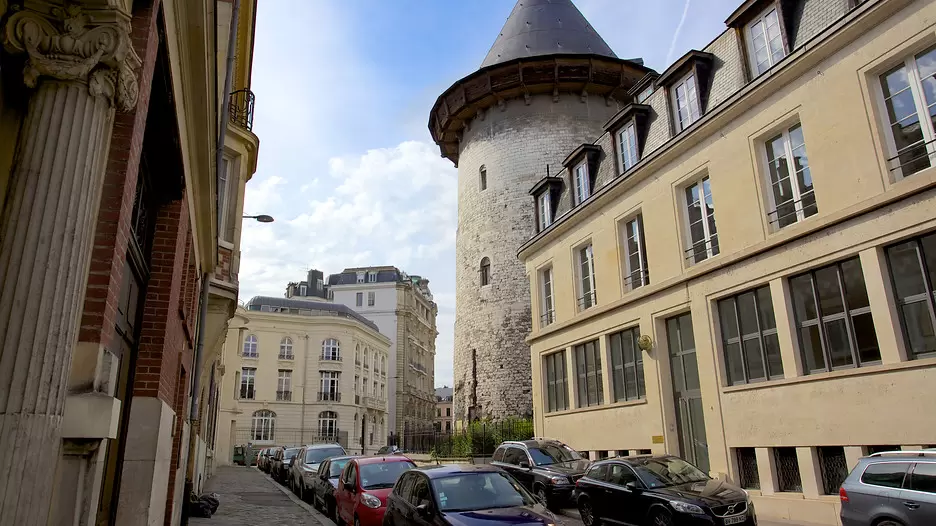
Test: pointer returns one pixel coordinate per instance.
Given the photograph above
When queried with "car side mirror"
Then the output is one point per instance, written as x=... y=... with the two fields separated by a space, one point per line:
x=524 y=464
x=423 y=509
x=633 y=486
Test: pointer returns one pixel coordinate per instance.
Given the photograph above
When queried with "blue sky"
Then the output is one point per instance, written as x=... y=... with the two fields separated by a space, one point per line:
x=346 y=164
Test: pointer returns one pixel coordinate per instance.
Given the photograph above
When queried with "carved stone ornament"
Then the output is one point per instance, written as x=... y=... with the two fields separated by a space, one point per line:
x=62 y=45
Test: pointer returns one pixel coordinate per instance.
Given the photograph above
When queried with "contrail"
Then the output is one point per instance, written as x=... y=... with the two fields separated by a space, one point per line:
x=682 y=20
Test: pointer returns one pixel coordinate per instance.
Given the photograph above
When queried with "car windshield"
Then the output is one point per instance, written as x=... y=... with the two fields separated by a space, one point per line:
x=290 y=453
x=317 y=455
x=336 y=467
x=552 y=454
x=668 y=471
x=383 y=474
x=479 y=491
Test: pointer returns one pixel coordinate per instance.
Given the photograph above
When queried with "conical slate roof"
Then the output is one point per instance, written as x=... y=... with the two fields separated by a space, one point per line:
x=545 y=27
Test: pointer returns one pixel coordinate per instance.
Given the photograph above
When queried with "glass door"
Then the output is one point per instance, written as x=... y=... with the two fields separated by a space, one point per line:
x=688 y=396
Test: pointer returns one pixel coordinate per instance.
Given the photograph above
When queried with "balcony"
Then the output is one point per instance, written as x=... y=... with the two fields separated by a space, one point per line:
x=242 y=108
x=330 y=358
x=284 y=396
x=329 y=396
x=372 y=402
x=286 y=356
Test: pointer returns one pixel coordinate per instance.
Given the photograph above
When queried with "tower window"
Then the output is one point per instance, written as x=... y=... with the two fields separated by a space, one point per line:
x=482 y=174
x=485 y=271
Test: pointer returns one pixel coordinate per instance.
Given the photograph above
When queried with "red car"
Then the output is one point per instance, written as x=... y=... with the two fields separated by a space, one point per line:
x=365 y=483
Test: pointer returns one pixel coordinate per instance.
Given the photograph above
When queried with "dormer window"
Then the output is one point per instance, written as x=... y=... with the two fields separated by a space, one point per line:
x=302 y=290
x=764 y=41
x=582 y=186
x=545 y=211
x=629 y=129
x=688 y=82
x=627 y=146
x=582 y=165
x=372 y=277
x=360 y=277
x=686 y=102
x=546 y=195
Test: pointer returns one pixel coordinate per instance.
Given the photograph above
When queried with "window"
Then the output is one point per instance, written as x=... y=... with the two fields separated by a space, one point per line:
x=247 y=383
x=913 y=272
x=262 y=426
x=788 y=472
x=482 y=177
x=834 y=317
x=515 y=456
x=582 y=186
x=284 y=385
x=372 y=277
x=765 y=44
x=586 y=264
x=331 y=349
x=302 y=290
x=636 y=274
x=749 y=337
x=285 y=350
x=329 y=386
x=223 y=174
x=885 y=474
x=328 y=424
x=923 y=478
x=644 y=95
x=250 y=347
x=834 y=468
x=599 y=472
x=371 y=298
x=626 y=366
x=448 y=411
x=557 y=391
x=700 y=210
x=546 y=290
x=627 y=147
x=366 y=358
x=685 y=102
x=359 y=299
x=909 y=101
x=620 y=475
x=791 y=194
x=588 y=369
x=545 y=210
x=749 y=478
x=485 y=271
x=360 y=276
x=383 y=391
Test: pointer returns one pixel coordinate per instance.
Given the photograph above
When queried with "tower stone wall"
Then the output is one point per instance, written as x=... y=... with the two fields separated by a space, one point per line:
x=514 y=142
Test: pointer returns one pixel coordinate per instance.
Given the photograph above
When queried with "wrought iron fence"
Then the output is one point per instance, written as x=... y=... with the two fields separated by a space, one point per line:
x=242 y=108
x=788 y=472
x=474 y=439
x=289 y=437
x=747 y=468
x=834 y=468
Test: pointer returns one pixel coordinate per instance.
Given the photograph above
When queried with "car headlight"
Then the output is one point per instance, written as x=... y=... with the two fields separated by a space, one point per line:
x=370 y=501
x=683 y=507
x=556 y=479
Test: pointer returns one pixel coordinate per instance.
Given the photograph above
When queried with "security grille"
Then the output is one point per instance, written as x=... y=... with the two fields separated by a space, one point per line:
x=747 y=468
x=788 y=473
x=834 y=468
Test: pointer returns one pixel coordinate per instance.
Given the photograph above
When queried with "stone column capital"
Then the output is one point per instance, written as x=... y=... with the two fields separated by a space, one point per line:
x=65 y=43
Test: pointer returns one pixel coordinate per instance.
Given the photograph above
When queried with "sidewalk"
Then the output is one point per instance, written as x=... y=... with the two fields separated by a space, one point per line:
x=250 y=498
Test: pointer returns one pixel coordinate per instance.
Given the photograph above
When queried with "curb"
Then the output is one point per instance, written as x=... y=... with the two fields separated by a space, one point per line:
x=319 y=518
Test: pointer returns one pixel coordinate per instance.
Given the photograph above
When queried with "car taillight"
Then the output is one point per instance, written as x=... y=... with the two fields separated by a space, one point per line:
x=843 y=495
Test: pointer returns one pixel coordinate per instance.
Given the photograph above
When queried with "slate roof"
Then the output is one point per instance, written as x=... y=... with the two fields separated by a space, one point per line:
x=317 y=308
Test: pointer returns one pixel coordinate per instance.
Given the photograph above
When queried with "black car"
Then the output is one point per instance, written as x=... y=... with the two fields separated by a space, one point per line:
x=463 y=495
x=282 y=461
x=659 y=490
x=325 y=482
x=546 y=467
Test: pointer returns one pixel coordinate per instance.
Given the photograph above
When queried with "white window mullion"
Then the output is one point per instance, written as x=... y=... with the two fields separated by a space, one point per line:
x=926 y=123
x=794 y=180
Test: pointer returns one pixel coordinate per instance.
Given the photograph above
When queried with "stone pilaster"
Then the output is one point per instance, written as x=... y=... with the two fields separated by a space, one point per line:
x=79 y=70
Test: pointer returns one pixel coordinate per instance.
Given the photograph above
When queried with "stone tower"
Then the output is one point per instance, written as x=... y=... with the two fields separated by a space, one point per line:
x=547 y=85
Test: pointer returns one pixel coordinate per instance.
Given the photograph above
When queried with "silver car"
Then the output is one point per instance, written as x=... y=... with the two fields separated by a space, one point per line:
x=893 y=488
x=305 y=466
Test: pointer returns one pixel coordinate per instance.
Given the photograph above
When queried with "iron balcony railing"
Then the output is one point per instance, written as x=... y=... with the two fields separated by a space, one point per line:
x=284 y=396
x=587 y=301
x=328 y=396
x=242 y=108
x=547 y=317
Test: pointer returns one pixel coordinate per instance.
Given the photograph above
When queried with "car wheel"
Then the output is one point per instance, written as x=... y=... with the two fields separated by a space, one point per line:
x=661 y=518
x=587 y=512
x=541 y=494
x=888 y=522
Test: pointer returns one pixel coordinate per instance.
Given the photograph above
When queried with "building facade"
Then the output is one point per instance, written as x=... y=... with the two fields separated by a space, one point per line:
x=110 y=117
x=548 y=84
x=301 y=372
x=402 y=307
x=443 y=409
x=739 y=269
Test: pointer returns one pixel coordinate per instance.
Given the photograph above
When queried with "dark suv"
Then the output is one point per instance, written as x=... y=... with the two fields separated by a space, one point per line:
x=893 y=488
x=544 y=466
x=659 y=490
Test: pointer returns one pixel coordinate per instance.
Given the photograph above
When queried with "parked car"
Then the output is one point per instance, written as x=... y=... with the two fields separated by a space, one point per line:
x=282 y=461
x=389 y=450
x=463 y=494
x=544 y=466
x=661 y=490
x=893 y=488
x=264 y=458
x=304 y=468
x=325 y=483
x=361 y=495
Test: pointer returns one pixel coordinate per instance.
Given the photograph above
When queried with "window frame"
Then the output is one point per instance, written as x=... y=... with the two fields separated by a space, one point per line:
x=929 y=291
x=303 y=290
x=585 y=300
x=331 y=350
x=800 y=212
x=371 y=277
x=547 y=297
x=371 y=298
x=283 y=384
x=589 y=353
x=624 y=155
x=544 y=207
x=327 y=380
x=330 y=419
x=484 y=269
x=248 y=383
x=712 y=249
x=482 y=178
x=556 y=377
x=749 y=40
x=263 y=426
x=358 y=299
x=251 y=341
x=285 y=349
x=642 y=271
x=637 y=366
x=679 y=124
x=760 y=335
x=581 y=183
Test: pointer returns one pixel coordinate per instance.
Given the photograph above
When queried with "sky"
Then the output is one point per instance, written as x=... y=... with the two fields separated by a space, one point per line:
x=347 y=166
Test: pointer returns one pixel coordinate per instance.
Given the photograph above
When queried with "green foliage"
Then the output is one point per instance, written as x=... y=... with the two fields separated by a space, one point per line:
x=481 y=438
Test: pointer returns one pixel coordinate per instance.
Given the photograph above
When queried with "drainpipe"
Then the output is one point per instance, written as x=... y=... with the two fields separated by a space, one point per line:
x=305 y=370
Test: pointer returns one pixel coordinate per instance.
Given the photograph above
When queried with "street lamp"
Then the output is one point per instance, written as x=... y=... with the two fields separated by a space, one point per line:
x=263 y=218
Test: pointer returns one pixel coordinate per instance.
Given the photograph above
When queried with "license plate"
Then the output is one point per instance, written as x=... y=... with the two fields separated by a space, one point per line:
x=737 y=519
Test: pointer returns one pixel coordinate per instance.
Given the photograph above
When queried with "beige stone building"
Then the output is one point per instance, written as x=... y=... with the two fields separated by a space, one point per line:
x=300 y=371
x=443 y=409
x=741 y=269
